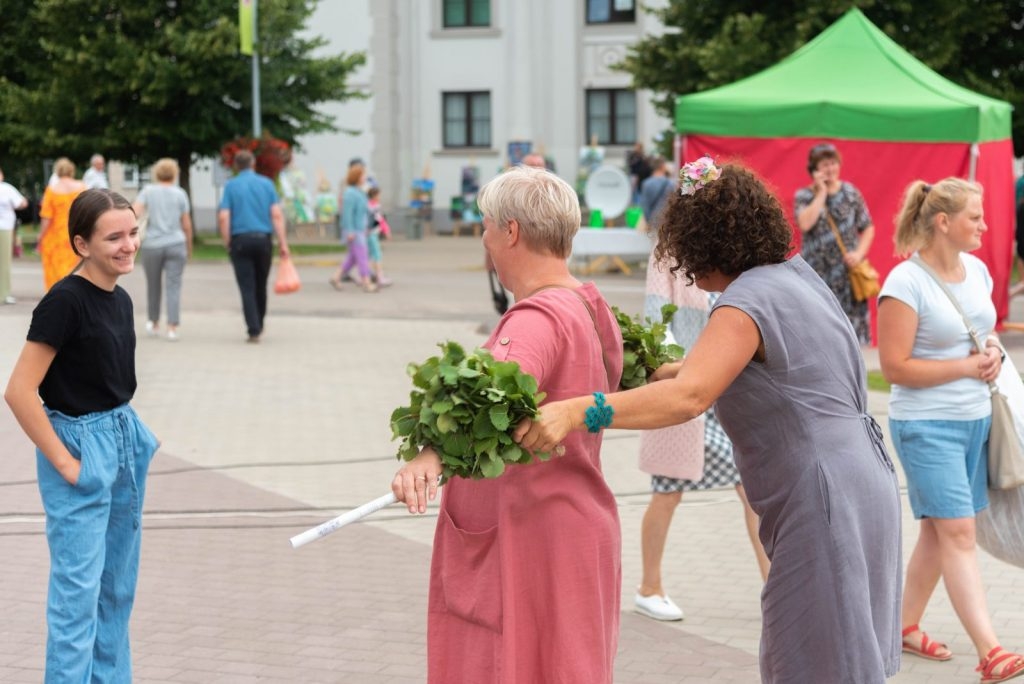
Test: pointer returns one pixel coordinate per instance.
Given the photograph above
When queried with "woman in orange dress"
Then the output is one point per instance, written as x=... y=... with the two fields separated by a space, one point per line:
x=54 y=245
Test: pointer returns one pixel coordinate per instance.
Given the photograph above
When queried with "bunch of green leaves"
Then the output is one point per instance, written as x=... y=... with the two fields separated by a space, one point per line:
x=466 y=406
x=644 y=348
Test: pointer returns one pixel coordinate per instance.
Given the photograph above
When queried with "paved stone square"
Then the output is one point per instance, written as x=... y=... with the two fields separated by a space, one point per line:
x=263 y=441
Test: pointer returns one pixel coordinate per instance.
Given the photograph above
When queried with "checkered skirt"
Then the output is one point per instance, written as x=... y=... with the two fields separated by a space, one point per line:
x=719 y=467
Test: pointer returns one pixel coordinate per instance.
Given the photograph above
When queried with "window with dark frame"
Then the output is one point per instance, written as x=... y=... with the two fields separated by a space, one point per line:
x=467 y=119
x=466 y=13
x=611 y=116
x=610 y=11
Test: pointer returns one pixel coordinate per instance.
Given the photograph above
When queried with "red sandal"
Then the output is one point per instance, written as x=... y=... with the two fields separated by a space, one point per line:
x=1007 y=670
x=928 y=649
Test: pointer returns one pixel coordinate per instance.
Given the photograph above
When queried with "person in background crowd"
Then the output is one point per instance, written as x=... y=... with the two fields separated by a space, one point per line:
x=10 y=201
x=354 y=230
x=830 y=202
x=166 y=246
x=639 y=169
x=777 y=355
x=940 y=409
x=377 y=227
x=249 y=215
x=1018 y=195
x=54 y=247
x=92 y=451
x=655 y=190
x=96 y=175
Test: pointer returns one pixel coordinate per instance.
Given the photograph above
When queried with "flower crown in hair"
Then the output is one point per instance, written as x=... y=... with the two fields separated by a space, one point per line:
x=697 y=174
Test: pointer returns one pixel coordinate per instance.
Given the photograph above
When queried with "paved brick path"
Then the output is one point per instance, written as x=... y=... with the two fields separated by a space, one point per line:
x=263 y=441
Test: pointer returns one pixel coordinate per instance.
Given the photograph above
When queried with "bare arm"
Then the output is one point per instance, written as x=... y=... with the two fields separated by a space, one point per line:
x=897 y=327
x=727 y=345
x=855 y=256
x=44 y=223
x=22 y=395
x=224 y=226
x=186 y=227
x=277 y=220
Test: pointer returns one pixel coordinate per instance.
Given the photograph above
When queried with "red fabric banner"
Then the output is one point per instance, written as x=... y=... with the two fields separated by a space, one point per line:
x=882 y=171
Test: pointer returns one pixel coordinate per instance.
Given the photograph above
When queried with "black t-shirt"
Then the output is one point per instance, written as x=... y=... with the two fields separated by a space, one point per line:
x=93 y=331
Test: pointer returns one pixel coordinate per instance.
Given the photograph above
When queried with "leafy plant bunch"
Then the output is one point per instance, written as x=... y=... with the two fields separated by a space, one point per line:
x=644 y=348
x=465 y=406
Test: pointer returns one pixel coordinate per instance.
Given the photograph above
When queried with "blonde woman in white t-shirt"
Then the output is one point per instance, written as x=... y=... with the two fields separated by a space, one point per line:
x=940 y=411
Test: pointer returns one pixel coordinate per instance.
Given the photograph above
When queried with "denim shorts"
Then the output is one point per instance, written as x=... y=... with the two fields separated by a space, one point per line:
x=946 y=464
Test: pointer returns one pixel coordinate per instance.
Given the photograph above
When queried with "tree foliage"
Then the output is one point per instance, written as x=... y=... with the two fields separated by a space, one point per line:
x=978 y=44
x=147 y=79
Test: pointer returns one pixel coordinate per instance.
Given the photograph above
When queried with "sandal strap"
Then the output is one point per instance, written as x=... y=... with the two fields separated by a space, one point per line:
x=928 y=646
x=989 y=664
x=910 y=630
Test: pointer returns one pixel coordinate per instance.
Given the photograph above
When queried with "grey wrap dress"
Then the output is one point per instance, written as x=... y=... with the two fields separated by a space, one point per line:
x=816 y=471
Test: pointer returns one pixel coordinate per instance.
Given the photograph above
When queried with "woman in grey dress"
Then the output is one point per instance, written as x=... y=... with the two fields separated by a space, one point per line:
x=780 y=361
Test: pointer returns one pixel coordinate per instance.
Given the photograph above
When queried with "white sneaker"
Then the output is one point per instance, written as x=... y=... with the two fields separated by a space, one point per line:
x=10 y=300
x=658 y=607
x=151 y=329
x=172 y=335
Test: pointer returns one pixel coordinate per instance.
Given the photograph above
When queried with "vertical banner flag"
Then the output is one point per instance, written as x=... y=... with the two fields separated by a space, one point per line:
x=245 y=26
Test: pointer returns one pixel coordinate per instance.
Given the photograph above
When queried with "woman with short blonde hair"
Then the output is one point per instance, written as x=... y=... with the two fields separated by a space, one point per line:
x=167 y=244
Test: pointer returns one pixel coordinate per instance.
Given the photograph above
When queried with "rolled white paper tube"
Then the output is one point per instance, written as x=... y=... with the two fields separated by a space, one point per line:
x=355 y=514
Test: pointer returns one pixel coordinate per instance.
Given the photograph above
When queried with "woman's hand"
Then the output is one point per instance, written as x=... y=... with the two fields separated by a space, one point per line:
x=852 y=258
x=546 y=432
x=415 y=483
x=986 y=366
x=820 y=179
x=71 y=470
x=666 y=371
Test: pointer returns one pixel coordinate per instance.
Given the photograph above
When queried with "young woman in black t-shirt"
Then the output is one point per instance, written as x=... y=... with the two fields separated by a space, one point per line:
x=92 y=451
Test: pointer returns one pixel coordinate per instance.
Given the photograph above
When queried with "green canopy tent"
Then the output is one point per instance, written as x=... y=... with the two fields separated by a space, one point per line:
x=892 y=118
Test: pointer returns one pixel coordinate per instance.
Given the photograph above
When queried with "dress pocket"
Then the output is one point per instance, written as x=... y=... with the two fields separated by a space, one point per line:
x=471 y=574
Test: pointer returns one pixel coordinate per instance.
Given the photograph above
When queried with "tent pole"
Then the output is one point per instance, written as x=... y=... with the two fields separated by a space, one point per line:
x=975 y=153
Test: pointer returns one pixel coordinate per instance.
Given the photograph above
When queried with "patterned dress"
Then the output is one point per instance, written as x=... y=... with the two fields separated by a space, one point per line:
x=821 y=251
x=55 y=246
x=695 y=455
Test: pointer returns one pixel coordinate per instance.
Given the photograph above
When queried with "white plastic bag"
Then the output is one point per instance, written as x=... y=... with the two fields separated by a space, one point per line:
x=1000 y=528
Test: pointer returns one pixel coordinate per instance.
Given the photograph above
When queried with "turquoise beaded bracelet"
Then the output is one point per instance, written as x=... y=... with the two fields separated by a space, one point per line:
x=599 y=415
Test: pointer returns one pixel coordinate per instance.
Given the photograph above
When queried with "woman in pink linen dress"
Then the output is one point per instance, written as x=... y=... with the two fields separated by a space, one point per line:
x=525 y=579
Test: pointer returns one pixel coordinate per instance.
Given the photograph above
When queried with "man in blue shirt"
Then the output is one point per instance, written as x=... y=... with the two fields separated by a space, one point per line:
x=249 y=213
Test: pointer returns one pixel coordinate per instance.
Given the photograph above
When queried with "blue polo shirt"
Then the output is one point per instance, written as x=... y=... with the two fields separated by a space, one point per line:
x=249 y=196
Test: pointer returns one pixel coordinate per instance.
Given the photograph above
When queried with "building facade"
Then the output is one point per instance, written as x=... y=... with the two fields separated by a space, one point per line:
x=454 y=83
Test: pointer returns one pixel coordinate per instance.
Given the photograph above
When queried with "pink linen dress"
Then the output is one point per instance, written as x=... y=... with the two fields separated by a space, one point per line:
x=526 y=572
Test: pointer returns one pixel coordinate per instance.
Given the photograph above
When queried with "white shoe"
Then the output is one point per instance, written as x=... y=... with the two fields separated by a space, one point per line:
x=658 y=607
x=10 y=300
x=151 y=329
x=172 y=335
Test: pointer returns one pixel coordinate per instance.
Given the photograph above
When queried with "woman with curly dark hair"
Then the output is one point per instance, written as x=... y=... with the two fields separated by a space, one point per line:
x=781 y=363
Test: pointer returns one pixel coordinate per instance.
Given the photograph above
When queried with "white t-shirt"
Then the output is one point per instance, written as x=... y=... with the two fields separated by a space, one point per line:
x=95 y=179
x=941 y=334
x=9 y=199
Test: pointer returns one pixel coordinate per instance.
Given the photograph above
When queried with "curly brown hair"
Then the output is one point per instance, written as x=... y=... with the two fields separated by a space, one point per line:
x=730 y=225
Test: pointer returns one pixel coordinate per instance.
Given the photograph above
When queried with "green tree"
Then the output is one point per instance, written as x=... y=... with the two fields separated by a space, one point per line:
x=978 y=44
x=159 y=78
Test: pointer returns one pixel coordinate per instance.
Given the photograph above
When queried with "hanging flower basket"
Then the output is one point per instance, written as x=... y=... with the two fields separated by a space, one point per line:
x=272 y=154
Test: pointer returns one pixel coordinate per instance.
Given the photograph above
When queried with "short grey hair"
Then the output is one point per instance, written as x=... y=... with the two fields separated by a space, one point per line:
x=545 y=206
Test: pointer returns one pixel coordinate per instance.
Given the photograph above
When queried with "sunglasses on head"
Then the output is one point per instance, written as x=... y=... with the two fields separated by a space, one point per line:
x=823 y=147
